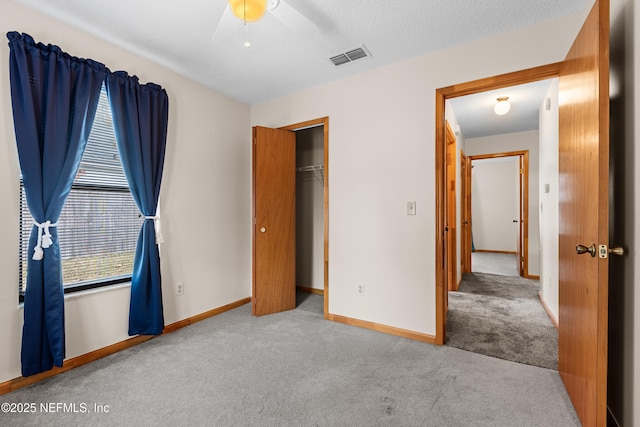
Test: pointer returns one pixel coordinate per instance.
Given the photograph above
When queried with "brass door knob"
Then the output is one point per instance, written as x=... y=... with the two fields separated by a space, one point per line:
x=263 y=230
x=616 y=250
x=582 y=249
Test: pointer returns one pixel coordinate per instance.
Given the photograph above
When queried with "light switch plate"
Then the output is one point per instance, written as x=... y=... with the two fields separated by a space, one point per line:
x=411 y=208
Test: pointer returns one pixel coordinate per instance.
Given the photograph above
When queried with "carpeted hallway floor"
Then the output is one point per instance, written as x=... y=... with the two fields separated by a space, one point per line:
x=501 y=316
x=494 y=263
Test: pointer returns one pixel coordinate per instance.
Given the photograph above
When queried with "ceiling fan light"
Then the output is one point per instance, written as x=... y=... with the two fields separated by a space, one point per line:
x=503 y=106
x=248 y=10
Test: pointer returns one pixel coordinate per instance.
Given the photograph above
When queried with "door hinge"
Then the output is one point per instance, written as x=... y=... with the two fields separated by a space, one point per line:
x=521 y=171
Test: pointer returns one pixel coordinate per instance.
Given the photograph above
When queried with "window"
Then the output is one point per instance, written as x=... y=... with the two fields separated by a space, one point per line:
x=99 y=225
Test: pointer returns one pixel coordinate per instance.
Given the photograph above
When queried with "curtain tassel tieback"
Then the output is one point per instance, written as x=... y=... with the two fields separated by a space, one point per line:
x=156 y=224
x=44 y=239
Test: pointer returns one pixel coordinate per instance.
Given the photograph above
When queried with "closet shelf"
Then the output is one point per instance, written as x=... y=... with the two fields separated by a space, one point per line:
x=316 y=170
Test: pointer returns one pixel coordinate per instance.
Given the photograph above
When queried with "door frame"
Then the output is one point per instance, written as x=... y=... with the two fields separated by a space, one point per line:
x=529 y=75
x=523 y=191
x=322 y=121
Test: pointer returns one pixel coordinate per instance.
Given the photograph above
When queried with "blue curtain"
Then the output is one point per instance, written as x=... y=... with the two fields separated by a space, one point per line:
x=54 y=98
x=140 y=114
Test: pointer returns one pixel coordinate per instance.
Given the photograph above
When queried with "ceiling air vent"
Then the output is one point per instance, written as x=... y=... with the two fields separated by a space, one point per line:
x=350 y=56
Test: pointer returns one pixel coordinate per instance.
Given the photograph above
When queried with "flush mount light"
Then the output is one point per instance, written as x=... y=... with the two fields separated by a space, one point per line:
x=503 y=106
x=248 y=10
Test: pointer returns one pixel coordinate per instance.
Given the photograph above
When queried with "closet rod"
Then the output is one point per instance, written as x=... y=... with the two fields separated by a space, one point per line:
x=316 y=169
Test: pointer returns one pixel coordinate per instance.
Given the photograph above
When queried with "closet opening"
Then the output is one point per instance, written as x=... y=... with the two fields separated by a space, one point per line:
x=311 y=276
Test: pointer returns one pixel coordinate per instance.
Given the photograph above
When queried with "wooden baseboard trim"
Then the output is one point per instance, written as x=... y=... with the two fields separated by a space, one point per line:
x=20 y=382
x=532 y=277
x=310 y=290
x=549 y=312
x=495 y=252
x=383 y=328
x=202 y=316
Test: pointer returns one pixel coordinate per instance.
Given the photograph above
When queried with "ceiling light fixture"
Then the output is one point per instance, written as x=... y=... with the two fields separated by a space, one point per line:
x=247 y=43
x=503 y=106
x=248 y=10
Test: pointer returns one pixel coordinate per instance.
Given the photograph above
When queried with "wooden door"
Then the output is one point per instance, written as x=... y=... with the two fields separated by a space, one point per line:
x=452 y=269
x=520 y=218
x=584 y=171
x=465 y=220
x=274 y=210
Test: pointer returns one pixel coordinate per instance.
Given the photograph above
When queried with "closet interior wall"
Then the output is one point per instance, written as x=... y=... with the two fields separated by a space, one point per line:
x=310 y=208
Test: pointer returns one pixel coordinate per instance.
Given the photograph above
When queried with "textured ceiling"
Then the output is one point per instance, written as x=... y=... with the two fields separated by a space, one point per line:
x=477 y=118
x=178 y=35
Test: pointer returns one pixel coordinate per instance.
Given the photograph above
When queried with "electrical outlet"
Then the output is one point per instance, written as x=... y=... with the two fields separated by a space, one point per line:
x=179 y=288
x=361 y=290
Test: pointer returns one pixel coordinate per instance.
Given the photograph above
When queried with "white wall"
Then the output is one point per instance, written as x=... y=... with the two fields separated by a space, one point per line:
x=549 y=200
x=204 y=199
x=518 y=141
x=495 y=203
x=381 y=139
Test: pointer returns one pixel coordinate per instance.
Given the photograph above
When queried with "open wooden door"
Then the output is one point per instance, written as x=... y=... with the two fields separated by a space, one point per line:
x=584 y=216
x=520 y=219
x=465 y=214
x=452 y=263
x=274 y=215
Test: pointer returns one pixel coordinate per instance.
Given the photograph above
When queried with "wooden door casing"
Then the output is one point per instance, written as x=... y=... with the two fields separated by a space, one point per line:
x=442 y=94
x=324 y=122
x=522 y=247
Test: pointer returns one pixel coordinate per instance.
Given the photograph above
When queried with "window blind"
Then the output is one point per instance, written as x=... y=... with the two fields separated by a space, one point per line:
x=99 y=224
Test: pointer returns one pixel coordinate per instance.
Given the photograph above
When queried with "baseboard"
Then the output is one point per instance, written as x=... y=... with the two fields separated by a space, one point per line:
x=494 y=252
x=202 y=316
x=383 y=328
x=532 y=277
x=20 y=382
x=548 y=310
x=310 y=290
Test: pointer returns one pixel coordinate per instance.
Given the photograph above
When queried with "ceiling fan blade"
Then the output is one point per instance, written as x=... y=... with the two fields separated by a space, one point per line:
x=226 y=28
x=295 y=21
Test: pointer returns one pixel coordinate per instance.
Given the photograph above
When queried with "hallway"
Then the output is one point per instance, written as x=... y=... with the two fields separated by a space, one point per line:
x=501 y=316
x=494 y=263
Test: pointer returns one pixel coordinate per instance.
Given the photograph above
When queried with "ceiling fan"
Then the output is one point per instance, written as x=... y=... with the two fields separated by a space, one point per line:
x=243 y=12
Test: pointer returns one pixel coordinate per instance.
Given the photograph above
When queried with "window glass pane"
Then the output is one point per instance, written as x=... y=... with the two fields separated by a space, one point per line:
x=100 y=222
